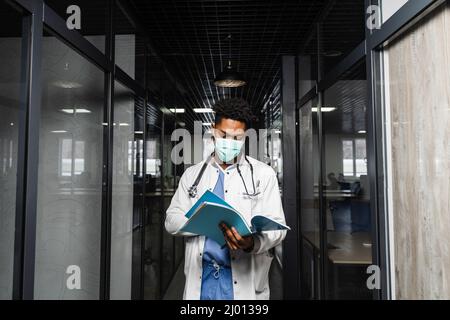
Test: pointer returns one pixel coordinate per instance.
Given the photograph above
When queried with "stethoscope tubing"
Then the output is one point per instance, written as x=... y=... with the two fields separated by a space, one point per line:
x=193 y=189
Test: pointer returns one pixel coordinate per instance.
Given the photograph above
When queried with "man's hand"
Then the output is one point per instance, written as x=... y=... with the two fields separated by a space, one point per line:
x=235 y=241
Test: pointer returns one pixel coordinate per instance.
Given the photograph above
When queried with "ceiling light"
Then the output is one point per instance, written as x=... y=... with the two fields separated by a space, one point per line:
x=177 y=110
x=72 y=110
x=59 y=131
x=67 y=84
x=229 y=78
x=182 y=124
x=333 y=53
x=362 y=131
x=207 y=124
x=139 y=132
x=324 y=109
x=203 y=110
x=124 y=125
x=12 y=124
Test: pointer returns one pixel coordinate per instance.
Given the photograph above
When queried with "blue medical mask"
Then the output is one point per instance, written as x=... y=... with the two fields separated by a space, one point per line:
x=228 y=149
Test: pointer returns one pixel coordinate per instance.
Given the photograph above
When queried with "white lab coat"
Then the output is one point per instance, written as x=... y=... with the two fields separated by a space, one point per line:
x=250 y=270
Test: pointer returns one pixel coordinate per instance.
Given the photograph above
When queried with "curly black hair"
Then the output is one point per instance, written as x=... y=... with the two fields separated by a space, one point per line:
x=235 y=109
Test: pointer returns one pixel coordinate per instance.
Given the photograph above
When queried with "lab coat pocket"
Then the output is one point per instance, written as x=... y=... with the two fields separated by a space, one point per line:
x=263 y=262
x=243 y=204
x=257 y=202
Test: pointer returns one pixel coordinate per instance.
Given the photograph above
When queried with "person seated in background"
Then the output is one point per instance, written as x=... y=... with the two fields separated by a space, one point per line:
x=334 y=185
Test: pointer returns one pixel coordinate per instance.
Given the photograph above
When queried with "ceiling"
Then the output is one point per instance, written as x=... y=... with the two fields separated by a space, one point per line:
x=191 y=37
x=190 y=41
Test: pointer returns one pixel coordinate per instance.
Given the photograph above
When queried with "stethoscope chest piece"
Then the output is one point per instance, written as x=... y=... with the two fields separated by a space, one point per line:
x=192 y=191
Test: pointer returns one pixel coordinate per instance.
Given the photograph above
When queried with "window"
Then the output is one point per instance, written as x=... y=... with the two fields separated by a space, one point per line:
x=71 y=165
x=354 y=157
x=153 y=162
x=348 y=157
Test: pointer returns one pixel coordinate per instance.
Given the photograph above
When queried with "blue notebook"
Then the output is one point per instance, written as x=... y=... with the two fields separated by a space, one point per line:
x=207 y=213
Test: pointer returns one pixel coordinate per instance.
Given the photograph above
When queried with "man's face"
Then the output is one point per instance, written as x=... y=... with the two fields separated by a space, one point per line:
x=229 y=129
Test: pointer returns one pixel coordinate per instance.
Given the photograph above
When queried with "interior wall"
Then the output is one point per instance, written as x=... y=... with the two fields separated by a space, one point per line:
x=419 y=107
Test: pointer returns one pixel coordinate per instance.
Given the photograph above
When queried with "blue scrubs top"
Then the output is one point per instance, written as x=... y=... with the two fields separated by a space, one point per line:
x=217 y=282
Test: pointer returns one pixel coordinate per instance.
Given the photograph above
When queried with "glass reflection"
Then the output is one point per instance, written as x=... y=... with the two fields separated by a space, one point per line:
x=170 y=184
x=70 y=174
x=10 y=86
x=153 y=204
x=125 y=157
x=309 y=199
x=346 y=187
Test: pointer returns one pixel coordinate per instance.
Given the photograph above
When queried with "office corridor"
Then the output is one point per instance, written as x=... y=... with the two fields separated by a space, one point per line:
x=105 y=104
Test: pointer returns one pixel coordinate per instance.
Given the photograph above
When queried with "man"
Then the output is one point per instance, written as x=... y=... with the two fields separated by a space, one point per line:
x=240 y=270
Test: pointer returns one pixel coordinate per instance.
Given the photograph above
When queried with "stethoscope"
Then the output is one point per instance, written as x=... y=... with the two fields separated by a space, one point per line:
x=193 y=189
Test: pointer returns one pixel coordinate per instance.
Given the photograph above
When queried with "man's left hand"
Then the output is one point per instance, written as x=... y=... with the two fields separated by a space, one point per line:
x=235 y=241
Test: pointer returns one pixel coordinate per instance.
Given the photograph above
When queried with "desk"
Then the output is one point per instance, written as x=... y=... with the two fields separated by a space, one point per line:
x=350 y=250
x=349 y=247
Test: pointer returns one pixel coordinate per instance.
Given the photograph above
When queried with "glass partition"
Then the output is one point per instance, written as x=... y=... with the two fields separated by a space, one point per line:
x=69 y=199
x=154 y=214
x=170 y=184
x=309 y=173
x=126 y=167
x=11 y=83
x=346 y=191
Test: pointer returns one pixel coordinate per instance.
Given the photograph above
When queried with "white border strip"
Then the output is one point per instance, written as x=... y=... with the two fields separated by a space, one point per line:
x=388 y=177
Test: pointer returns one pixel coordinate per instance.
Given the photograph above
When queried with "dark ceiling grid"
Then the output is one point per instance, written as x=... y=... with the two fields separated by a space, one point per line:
x=191 y=36
x=197 y=69
x=201 y=103
x=220 y=45
x=240 y=92
x=258 y=52
x=206 y=117
x=211 y=94
x=274 y=63
x=179 y=65
x=211 y=57
x=194 y=89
